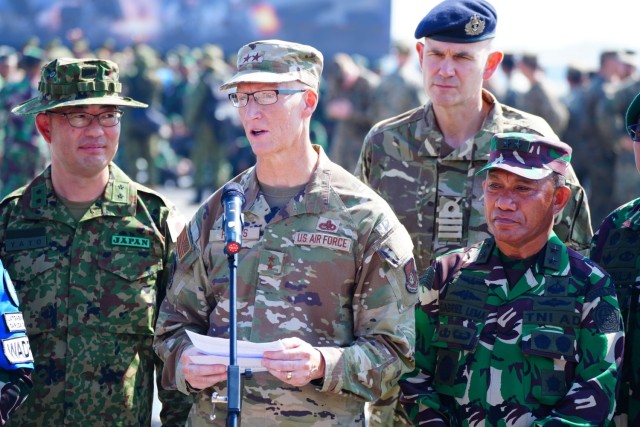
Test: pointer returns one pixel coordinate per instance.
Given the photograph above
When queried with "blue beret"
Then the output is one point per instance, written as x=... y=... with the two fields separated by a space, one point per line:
x=459 y=21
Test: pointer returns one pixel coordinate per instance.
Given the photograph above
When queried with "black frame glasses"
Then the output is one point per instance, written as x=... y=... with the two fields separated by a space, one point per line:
x=262 y=97
x=81 y=119
x=634 y=131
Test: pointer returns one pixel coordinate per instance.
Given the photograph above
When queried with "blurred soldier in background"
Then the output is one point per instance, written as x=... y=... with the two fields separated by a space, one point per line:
x=350 y=88
x=399 y=90
x=599 y=146
x=210 y=135
x=24 y=152
x=539 y=99
x=146 y=125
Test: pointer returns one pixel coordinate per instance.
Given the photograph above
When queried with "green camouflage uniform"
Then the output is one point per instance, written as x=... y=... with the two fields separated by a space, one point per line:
x=545 y=350
x=615 y=248
x=439 y=199
x=333 y=267
x=90 y=293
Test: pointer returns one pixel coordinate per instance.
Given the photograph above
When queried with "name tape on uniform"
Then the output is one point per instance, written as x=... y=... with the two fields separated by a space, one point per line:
x=250 y=233
x=323 y=240
x=14 y=322
x=17 y=350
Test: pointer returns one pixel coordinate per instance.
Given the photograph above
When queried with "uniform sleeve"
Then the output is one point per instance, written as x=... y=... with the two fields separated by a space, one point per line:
x=592 y=396
x=363 y=166
x=383 y=316
x=185 y=307
x=175 y=405
x=573 y=226
x=419 y=398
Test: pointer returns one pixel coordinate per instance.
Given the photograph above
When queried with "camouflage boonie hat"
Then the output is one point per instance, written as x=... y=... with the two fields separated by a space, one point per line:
x=528 y=155
x=277 y=61
x=66 y=82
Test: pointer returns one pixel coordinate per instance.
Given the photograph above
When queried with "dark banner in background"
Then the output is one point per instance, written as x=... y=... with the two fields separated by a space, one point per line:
x=351 y=26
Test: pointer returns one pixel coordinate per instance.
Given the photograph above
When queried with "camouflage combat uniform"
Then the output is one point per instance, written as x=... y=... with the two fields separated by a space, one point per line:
x=543 y=351
x=90 y=291
x=615 y=248
x=334 y=268
x=439 y=199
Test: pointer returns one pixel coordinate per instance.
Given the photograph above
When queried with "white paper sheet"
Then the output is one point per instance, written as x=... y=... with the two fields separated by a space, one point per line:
x=216 y=351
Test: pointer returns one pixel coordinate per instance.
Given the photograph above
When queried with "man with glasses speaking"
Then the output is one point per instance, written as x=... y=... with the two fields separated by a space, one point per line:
x=89 y=252
x=325 y=267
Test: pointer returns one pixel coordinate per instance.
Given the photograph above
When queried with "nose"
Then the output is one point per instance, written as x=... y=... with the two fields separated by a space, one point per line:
x=447 y=68
x=94 y=128
x=252 y=109
x=505 y=201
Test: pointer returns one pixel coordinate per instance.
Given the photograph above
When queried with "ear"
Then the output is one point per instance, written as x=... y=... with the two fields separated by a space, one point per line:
x=493 y=60
x=43 y=124
x=561 y=198
x=310 y=98
x=420 y=49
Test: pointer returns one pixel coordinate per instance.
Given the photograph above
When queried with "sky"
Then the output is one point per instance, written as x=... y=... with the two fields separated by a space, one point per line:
x=559 y=31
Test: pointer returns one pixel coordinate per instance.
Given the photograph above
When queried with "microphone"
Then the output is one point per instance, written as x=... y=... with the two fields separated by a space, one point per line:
x=232 y=201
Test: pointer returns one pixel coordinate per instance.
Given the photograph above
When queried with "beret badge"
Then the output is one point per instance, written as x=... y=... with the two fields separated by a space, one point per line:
x=475 y=26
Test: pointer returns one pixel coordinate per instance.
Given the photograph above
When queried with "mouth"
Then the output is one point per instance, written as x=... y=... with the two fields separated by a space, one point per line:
x=504 y=221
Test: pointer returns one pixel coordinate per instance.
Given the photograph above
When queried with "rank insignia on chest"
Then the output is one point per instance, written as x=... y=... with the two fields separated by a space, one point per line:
x=449 y=219
x=328 y=225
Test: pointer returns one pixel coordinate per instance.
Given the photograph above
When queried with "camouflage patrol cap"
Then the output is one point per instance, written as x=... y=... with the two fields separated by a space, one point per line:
x=277 y=61
x=528 y=155
x=633 y=114
x=66 y=82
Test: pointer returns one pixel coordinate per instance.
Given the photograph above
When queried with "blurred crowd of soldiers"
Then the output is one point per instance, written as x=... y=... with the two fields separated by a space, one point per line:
x=190 y=137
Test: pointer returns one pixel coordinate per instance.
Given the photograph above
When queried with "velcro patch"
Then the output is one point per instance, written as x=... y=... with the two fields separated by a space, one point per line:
x=322 y=240
x=131 y=241
x=17 y=240
x=17 y=350
x=606 y=317
x=248 y=233
x=183 y=246
x=270 y=262
x=14 y=322
x=411 y=276
x=328 y=225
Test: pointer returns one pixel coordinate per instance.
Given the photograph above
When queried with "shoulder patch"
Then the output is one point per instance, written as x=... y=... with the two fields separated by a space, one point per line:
x=606 y=317
x=411 y=276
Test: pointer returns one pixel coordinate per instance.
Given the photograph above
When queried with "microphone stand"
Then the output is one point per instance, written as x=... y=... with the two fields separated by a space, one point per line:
x=234 y=383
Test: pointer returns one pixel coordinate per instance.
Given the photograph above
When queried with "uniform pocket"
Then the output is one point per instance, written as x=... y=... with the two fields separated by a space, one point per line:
x=36 y=283
x=129 y=291
x=547 y=351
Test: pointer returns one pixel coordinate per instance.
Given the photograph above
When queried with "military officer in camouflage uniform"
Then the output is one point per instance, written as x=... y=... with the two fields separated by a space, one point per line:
x=615 y=247
x=518 y=330
x=423 y=162
x=325 y=266
x=88 y=250
x=16 y=358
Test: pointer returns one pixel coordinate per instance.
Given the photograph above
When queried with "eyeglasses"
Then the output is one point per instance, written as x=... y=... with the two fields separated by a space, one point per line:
x=81 y=120
x=262 y=97
x=634 y=131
